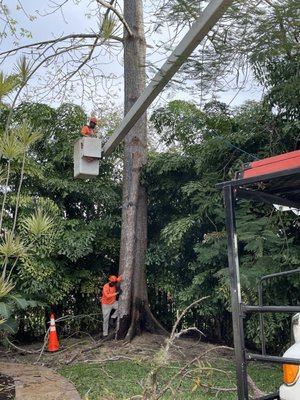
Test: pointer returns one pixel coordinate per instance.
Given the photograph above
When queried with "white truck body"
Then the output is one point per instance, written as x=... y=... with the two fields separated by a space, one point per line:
x=291 y=391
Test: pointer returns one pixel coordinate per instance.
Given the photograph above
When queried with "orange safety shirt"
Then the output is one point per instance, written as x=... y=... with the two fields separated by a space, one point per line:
x=86 y=131
x=108 y=294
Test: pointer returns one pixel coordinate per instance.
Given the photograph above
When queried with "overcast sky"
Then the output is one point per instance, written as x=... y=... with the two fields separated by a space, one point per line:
x=74 y=19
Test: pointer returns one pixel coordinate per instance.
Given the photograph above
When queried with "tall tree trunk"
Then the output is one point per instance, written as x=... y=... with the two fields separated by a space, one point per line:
x=134 y=312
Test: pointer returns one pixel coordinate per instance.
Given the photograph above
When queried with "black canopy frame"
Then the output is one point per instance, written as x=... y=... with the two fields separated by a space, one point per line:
x=281 y=188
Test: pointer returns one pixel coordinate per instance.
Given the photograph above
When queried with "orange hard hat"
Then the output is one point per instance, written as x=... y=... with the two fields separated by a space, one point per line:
x=94 y=120
x=113 y=278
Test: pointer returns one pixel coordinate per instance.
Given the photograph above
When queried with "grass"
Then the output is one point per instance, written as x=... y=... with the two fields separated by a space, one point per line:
x=119 y=380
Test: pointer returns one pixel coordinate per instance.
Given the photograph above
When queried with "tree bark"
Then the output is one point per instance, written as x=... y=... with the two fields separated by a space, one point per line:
x=134 y=311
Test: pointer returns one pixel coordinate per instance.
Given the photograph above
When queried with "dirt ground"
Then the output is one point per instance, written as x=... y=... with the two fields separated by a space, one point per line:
x=90 y=349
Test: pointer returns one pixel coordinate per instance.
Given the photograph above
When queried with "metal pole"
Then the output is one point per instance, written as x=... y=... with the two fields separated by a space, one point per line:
x=274 y=309
x=199 y=30
x=236 y=301
x=261 y=320
x=272 y=359
x=260 y=302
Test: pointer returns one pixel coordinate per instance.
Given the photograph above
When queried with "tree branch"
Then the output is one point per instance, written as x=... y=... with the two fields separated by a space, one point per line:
x=115 y=11
x=40 y=45
x=270 y=3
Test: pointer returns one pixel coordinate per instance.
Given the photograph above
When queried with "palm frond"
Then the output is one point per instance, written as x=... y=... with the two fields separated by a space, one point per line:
x=26 y=135
x=23 y=68
x=38 y=223
x=7 y=84
x=12 y=246
x=108 y=26
x=3 y=175
x=6 y=286
x=10 y=147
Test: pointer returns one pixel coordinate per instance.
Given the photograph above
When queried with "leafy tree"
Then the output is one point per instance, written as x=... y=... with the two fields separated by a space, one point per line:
x=187 y=253
x=224 y=139
x=241 y=48
x=61 y=237
x=83 y=246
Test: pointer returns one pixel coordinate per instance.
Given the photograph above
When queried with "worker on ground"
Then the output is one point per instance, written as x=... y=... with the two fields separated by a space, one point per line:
x=88 y=130
x=109 y=301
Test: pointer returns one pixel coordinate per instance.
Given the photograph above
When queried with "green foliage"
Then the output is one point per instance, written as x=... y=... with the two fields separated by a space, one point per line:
x=283 y=82
x=11 y=246
x=38 y=224
x=10 y=147
x=178 y=12
x=11 y=25
x=180 y=122
x=9 y=303
x=59 y=234
x=248 y=39
x=70 y=227
x=7 y=84
x=108 y=26
x=27 y=135
x=187 y=256
x=23 y=69
x=76 y=242
x=173 y=233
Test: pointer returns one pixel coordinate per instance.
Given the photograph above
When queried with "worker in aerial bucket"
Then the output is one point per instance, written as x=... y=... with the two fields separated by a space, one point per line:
x=88 y=130
x=109 y=301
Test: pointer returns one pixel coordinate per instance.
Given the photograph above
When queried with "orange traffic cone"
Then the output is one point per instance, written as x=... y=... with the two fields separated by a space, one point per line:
x=53 y=344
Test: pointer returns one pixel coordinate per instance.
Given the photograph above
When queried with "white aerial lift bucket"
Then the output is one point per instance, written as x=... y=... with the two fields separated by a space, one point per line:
x=87 y=153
